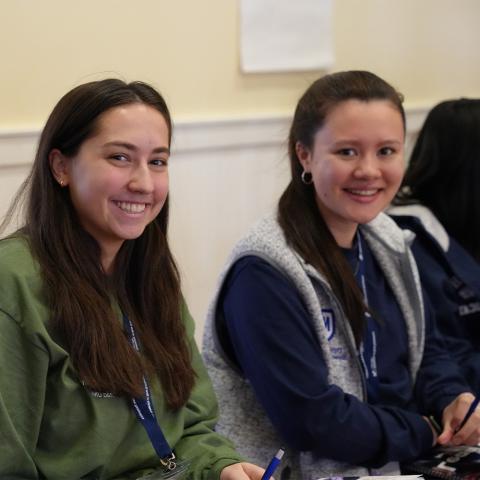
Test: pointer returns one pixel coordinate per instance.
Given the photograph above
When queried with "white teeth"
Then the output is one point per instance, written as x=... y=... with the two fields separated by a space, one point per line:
x=364 y=193
x=131 y=207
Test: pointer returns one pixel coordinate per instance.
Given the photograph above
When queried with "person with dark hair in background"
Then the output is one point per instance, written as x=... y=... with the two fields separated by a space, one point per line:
x=440 y=203
x=100 y=376
x=319 y=336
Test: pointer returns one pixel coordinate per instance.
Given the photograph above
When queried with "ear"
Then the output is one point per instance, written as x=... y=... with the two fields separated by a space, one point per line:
x=59 y=166
x=304 y=155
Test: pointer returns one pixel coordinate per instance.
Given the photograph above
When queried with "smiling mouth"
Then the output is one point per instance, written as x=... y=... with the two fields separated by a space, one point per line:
x=363 y=193
x=131 y=207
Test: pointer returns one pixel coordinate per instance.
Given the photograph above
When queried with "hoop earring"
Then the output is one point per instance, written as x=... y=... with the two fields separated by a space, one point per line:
x=306 y=177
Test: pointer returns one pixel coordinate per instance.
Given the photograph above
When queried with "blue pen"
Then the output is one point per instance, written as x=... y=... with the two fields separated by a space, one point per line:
x=472 y=408
x=274 y=463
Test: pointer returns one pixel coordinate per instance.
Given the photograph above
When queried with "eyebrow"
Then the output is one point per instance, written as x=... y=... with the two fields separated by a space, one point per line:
x=131 y=147
x=347 y=142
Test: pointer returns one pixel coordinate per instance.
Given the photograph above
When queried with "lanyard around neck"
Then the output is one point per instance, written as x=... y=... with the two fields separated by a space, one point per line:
x=144 y=410
x=368 y=347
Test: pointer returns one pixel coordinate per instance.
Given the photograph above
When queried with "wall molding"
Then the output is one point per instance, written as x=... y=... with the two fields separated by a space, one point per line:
x=17 y=146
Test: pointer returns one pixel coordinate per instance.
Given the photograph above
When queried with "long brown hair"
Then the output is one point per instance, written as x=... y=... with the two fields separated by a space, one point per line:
x=298 y=214
x=145 y=280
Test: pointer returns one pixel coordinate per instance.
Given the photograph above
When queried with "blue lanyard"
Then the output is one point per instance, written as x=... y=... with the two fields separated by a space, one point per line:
x=143 y=408
x=368 y=347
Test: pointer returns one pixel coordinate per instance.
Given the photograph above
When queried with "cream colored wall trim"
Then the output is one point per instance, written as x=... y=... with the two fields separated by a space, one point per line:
x=17 y=147
x=416 y=117
x=191 y=136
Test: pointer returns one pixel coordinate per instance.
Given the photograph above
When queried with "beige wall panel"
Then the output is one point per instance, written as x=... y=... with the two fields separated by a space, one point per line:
x=214 y=201
x=189 y=49
x=427 y=48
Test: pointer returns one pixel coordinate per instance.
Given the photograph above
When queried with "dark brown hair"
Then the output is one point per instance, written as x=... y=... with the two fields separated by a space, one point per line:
x=145 y=281
x=298 y=214
x=444 y=170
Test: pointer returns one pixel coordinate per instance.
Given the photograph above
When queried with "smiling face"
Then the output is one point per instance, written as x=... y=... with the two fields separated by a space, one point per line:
x=356 y=163
x=118 y=180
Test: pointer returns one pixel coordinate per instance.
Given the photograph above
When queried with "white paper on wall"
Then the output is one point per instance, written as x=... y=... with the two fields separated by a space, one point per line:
x=285 y=35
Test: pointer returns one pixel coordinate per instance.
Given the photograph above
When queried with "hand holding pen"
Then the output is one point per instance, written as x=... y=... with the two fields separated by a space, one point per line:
x=272 y=466
x=242 y=471
x=461 y=421
x=469 y=413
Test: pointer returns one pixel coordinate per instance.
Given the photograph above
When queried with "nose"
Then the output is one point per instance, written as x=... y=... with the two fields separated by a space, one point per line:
x=141 y=179
x=367 y=167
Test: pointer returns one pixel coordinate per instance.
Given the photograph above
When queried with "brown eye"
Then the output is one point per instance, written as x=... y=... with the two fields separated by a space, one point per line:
x=159 y=162
x=346 y=152
x=120 y=157
x=386 y=151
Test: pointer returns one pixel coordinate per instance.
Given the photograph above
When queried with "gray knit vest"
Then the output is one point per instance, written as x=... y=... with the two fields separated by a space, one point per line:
x=242 y=418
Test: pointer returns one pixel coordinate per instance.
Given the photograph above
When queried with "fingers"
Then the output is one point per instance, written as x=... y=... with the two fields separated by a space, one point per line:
x=469 y=434
x=456 y=430
x=252 y=470
x=242 y=471
x=446 y=436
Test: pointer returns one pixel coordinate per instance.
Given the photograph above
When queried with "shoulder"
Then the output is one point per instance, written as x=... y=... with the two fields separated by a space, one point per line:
x=16 y=260
x=250 y=272
x=20 y=279
x=13 y=249
x=265 y=235
x=267 y=241
x=415 y=215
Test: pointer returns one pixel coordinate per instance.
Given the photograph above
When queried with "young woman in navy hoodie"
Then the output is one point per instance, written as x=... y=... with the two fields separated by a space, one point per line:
x=319 y=336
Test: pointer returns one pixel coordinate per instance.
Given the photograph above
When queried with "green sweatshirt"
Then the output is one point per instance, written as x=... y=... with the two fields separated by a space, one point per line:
x=52 y=427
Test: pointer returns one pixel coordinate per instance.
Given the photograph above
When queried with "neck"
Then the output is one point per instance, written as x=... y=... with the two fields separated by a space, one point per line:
x=108 y=260
x=344 y=236
x=107 y=265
